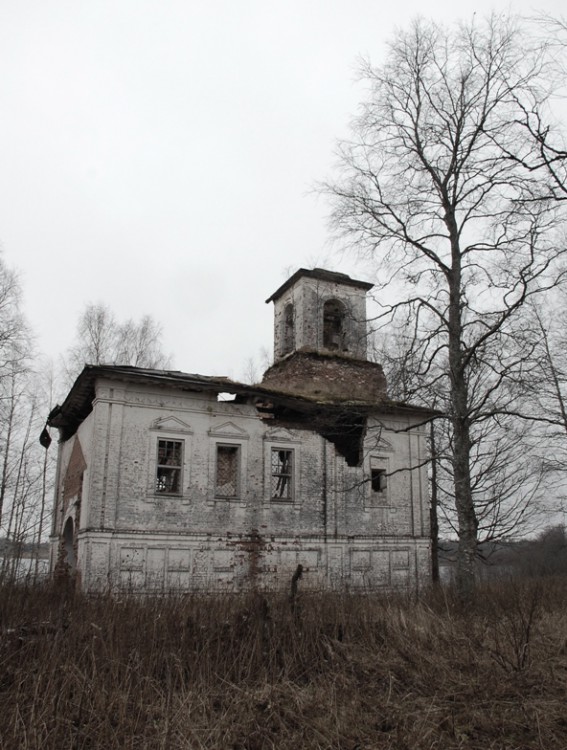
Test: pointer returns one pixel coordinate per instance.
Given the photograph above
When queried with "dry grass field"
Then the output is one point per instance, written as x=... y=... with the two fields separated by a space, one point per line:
x=250 y=673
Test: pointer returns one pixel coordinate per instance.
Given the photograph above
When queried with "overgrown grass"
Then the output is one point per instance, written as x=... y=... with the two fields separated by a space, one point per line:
x=248 y=673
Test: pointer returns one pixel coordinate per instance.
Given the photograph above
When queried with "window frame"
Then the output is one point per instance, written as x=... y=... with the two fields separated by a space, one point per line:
x=175 y=467
x=377 y=498
x=237 y=448
x=230 y=434
x=281 y=439
x=289 y=477
x=380 y=477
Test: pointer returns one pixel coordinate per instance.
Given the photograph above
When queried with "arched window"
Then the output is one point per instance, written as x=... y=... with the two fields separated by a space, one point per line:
x=334 y=325
x=288 y=332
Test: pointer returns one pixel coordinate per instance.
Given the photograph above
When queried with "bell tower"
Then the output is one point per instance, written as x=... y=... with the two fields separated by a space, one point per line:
x=320 y=311
x=320 y=338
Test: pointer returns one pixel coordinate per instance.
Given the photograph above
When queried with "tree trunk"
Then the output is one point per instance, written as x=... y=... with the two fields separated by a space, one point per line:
x=433 y=518
x=466 y=514
x=468 y=523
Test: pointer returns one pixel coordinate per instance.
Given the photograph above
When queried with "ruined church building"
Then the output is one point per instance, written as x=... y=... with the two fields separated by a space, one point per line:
x=173 y=481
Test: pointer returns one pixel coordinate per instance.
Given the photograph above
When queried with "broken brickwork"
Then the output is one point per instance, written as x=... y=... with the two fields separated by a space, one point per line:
x=327 y=377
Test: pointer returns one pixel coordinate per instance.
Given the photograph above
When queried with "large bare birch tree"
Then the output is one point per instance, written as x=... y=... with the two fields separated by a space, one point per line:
x=102 y=339
x=434 y=187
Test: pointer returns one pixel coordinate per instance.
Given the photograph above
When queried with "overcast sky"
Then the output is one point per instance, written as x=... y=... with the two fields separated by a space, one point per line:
x=159 y=157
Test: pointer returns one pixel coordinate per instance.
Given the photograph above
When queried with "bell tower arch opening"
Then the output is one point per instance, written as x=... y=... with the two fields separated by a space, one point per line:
x=334 y=315
x=288 y=330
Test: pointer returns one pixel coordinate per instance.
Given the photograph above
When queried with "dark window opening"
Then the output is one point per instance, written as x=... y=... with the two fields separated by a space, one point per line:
x=378 y=480
x=288 y=337
x=333 y=325
x=282 y=468
x=226 y=484
x=169 y=464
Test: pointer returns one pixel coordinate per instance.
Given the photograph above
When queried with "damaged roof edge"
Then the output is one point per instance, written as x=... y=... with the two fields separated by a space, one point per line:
x=79 y=401
x=323 y=275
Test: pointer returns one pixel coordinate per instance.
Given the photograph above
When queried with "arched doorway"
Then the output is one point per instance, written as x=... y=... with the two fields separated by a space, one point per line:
x=69 y=545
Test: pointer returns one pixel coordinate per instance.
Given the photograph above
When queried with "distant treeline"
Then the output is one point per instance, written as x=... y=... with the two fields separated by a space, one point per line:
x=9 y=547
x=543 y=555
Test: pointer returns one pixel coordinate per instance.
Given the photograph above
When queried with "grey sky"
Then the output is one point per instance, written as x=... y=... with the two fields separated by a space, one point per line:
x=159 y=156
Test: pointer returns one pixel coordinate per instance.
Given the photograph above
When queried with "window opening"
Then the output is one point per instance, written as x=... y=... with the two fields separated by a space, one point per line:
x=226 y=482
x=282 y=467
x=168 y=476
x=333 y=325
x=378 y=480
x=288 y=338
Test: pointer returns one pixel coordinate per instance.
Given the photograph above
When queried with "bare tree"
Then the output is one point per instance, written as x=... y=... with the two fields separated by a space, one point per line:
x=27 y=469
x=24 y=466
x=510 y=485
x=15 y=349
x=255 y=366
x=428 y=189
x=549 y=157
x=15 y=337
x=139 y=343
x=543 y=381
x=101 y=339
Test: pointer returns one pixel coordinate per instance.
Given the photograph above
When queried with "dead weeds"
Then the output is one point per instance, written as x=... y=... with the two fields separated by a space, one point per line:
x=248 y=673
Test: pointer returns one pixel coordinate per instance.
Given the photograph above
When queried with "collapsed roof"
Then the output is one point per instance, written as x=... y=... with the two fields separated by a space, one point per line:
x=341 y=421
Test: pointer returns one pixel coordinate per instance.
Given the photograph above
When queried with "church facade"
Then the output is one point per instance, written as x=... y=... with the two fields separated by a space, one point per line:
x=173 y=481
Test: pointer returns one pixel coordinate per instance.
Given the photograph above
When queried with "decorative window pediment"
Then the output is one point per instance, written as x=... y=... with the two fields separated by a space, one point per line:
x=385 y=446
x=228 y=430
x=280 y=435
x=171 y=424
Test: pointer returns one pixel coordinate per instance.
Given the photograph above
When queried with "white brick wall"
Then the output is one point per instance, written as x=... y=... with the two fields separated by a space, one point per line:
x=130 y=536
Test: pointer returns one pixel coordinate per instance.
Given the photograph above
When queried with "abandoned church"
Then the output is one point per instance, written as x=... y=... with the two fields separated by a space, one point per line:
x=174 y=481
